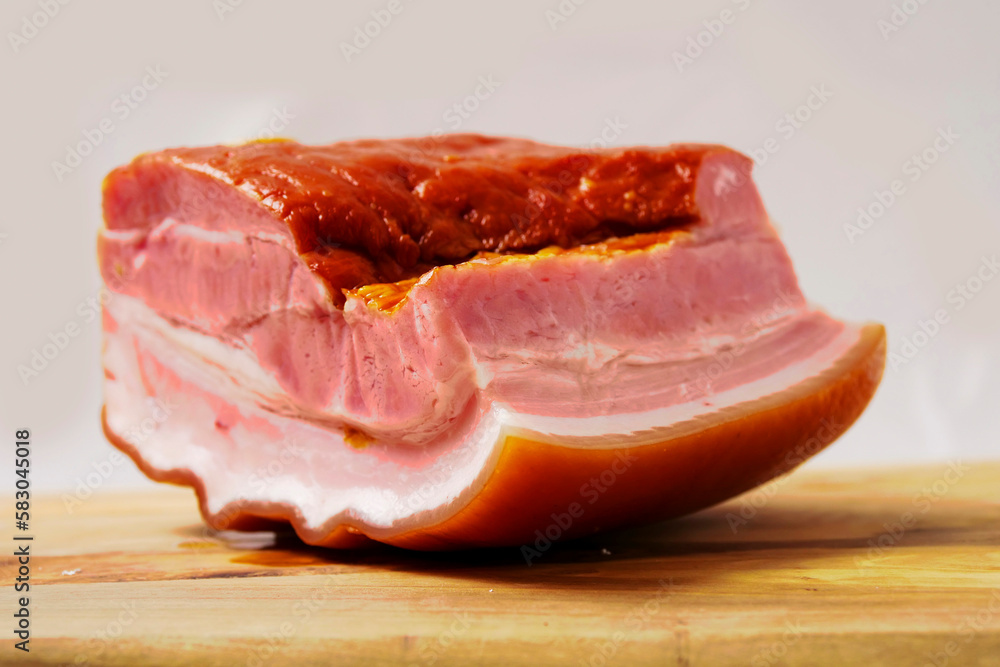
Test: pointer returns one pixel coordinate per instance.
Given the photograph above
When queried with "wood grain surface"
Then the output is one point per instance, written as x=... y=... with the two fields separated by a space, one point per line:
x=895 y=567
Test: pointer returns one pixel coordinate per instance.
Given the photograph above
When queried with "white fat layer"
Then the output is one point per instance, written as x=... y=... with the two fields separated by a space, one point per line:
x=269 y=458
x=639 y=428
x=123 y=235
x=172 y=227
x=213 y=426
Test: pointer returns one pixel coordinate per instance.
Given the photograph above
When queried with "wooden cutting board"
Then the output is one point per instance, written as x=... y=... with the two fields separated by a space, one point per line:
x=851 y=568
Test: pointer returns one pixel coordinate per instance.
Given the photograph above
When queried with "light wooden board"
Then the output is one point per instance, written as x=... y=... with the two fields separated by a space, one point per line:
x=134 y=578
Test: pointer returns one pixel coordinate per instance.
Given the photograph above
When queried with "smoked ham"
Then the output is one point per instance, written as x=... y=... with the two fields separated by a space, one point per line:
x=463 y=340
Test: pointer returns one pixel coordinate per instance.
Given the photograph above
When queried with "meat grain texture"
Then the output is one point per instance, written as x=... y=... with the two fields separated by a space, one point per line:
x=443 y=343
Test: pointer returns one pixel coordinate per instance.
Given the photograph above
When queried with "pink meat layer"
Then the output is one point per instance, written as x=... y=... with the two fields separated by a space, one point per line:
x=574 y=334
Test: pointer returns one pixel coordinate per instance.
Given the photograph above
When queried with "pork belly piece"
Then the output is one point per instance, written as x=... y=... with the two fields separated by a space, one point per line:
x=457 y=341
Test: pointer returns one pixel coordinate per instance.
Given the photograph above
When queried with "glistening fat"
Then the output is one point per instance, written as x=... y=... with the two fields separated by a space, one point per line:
x=446 y=342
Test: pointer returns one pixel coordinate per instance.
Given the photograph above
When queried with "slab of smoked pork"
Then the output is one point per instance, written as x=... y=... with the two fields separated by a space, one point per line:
x=461 y=341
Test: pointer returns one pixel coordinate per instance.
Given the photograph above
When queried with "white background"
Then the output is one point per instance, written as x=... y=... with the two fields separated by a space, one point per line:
x=560 y=82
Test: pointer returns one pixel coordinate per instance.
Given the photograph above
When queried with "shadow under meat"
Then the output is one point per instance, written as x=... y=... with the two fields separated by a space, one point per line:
x=691 y=548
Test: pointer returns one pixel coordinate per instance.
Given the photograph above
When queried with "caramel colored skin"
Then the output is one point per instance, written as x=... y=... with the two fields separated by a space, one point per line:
x=381 y=211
